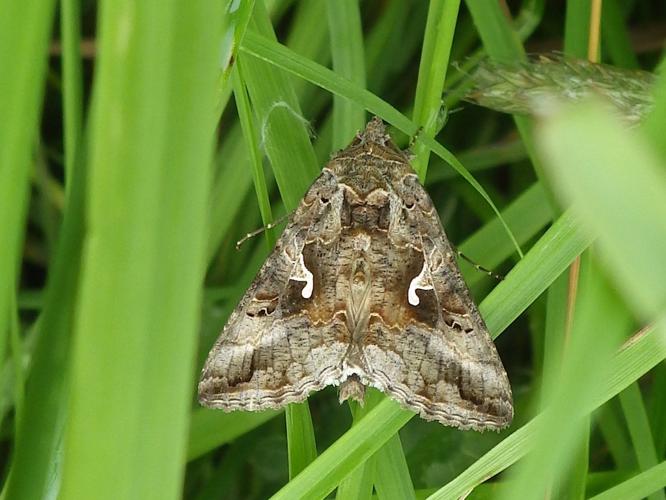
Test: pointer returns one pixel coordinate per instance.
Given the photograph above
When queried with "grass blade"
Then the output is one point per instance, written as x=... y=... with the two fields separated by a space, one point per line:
x=438 y=38
x=70 y=14
x=250 y=136
x=549 y=257
x=211 y=428
x=344 y=25
x=24 y=32
x=640 y=486
x=149 y=177
x=630 y=363
x=587 y=152
x=582 y=373
x=639 y=430
x=352 y=449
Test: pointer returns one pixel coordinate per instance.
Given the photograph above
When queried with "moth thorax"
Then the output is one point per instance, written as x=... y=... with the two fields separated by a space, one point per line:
x=370 y=217
x=352 y=389
x=360 y=278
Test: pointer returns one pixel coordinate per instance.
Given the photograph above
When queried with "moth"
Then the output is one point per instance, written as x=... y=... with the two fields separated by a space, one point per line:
x=362 y=289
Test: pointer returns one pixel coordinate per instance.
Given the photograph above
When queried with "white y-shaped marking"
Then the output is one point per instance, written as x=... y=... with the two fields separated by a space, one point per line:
x=309 y=279
x=420 y=282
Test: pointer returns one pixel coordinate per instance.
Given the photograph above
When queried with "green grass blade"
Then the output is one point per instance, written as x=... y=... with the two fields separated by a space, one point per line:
x=212 y=428
x=630 y=363
x=527 y=214
x=282 y=57
x=549 y=257
x=653 y=126
x=639 y=430
x=577 y=28
x=640 y=486
x=17 y=352
x=587 y=152
x=301 y=446
x=70 y=14
x=344 y=25
x=392 y=479
x=282 y=127
x=611 y=426
x=251 y=141
x=143 y=263
x=230 y=188
x=24 y=33
x=438 y=38
x=348 y=452
x=581 y=375
x=359 y=484
x=39 y=435
x=502 y=43
x=617 y=41
x=500 y=40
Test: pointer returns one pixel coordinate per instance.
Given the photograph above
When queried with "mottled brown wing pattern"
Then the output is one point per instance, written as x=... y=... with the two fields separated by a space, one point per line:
x=278 y=346
x=443 y=364
x=439 y=360
x=362 y=289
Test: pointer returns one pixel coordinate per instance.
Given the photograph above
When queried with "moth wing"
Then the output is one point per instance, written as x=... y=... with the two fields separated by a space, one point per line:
x=280 y=343
x=438 y=359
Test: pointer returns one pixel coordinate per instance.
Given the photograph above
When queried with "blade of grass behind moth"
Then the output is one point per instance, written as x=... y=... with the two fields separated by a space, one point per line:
x=639 y=430
x=359 y=484
x=616 y=36
x=629 y=364
x=526 y=215
x=283 y=129
x=640 y=486
x=250 y=136
x=24 y=32
x=285 y=139
x=39 y=435
x=210 y=429
x=278 y=55
x=503 y=44
x=392 y=478
x=70 y=14
x=230 y=188
x=388 y=465
x=438 y=38
x=657 y=408
x=549 y=256
x=344 y=25
x=16 y=352
x=576 y=28
x=344 y=18
x=653 y=125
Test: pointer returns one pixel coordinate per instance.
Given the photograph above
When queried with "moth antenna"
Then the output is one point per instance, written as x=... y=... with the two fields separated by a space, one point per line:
x=490 y=273
x=268 y=226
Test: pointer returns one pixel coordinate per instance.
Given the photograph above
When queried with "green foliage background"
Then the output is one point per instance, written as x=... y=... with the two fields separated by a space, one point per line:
x=140 y=140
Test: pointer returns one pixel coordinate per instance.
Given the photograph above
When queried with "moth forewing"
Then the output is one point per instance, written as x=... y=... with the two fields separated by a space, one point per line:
x=362 y=289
